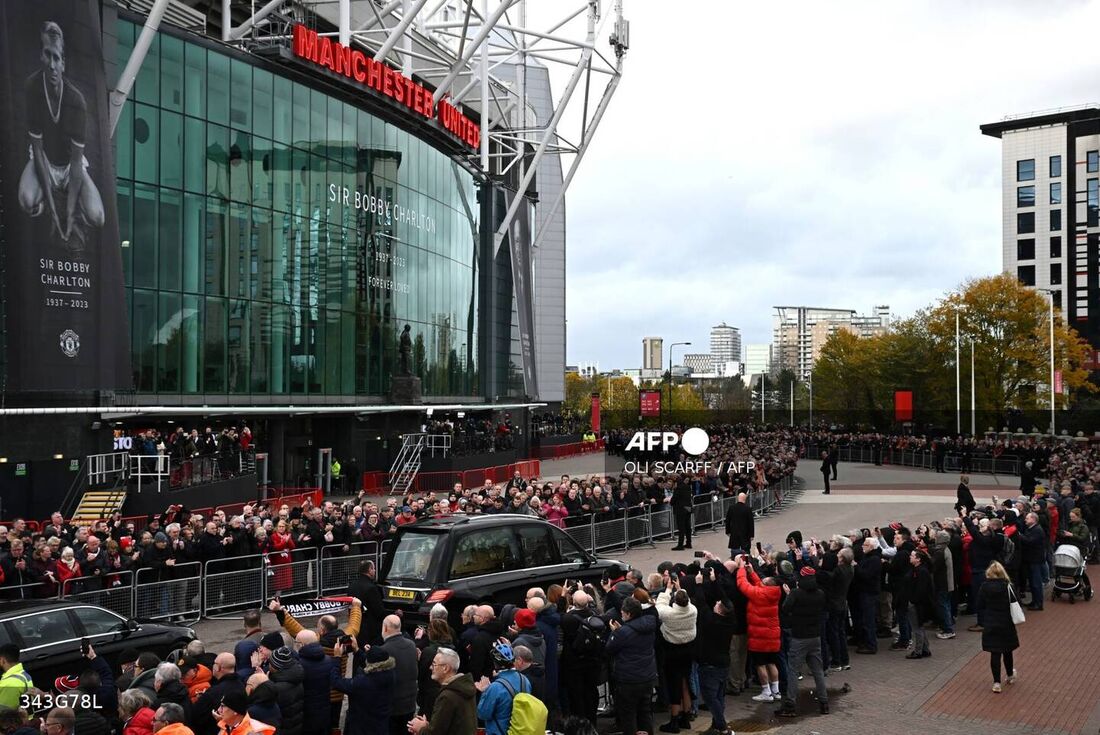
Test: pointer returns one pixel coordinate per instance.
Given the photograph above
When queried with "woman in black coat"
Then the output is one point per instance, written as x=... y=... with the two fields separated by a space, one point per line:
x=999 y=632
x=922 y=602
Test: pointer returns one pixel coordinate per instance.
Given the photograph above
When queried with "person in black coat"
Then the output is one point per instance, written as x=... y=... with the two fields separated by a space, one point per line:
x=826 y=470
x=223 y=682
x=965 y=498
x=681 y=511
x=366 y=589
x=317 y=668
x=740 y=526
x=999 y=632
x=922 y=602
x=868 y=579
x=286 y=675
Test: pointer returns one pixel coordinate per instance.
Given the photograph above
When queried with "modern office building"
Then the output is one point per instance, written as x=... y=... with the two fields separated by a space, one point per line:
x=652 y=354
x=725 y=343
x=1050 y=202
x=304 y=222
x=699 y=362
x=799 y=333
x=757 y=358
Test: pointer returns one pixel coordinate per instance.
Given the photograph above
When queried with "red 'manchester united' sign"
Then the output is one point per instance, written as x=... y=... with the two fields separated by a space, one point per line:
x=357 y=66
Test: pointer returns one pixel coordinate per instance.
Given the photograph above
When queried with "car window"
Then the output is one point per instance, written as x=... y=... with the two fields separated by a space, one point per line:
x=568 y=548
x=96 y=621
x=5 y=636
x=413 y=555
x=485 y=552
x=51 y=626
x=539 y=549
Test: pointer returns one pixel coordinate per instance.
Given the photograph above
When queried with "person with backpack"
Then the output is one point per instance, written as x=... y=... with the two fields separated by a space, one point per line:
x=583 y=636
x=507 y=706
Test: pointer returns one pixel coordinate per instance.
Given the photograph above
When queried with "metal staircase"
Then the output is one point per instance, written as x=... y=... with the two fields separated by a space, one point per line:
x=99 y=504
x=105 y=476
x=407 y=463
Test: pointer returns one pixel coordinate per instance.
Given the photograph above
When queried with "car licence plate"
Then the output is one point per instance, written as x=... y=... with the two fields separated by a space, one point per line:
x=401 y=594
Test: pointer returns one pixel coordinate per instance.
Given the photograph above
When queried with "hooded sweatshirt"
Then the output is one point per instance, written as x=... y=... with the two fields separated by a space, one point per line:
x=455 y=710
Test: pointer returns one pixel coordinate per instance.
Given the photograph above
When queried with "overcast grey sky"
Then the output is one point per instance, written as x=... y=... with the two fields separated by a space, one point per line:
x=825 y=154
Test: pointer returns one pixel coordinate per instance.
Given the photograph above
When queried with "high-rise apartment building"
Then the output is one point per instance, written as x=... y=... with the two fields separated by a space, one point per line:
x=799 y=333
x=652 y=353
x=1050 y=202
x=725 y=343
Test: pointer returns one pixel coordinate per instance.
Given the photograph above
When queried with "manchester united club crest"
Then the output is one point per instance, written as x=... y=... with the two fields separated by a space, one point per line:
x=70 y=343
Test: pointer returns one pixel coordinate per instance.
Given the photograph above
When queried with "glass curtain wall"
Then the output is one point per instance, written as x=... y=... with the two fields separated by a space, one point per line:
x=252 y=263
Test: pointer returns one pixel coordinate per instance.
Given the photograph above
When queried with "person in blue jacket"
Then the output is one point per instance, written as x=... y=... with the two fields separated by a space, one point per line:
x=495 y=706
x=369 y=690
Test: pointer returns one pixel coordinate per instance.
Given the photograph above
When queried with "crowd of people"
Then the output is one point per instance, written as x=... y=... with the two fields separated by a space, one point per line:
x=194 y=456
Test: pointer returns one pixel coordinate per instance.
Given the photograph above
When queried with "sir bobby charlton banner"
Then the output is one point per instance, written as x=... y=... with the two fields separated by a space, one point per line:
x=65 y=325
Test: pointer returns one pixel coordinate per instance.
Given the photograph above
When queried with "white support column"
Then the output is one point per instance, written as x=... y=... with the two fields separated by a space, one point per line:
x=133 y=65
x=484 y=72
x=379 y=15
x=397 y=33
x=227 y=20
x=590 y=130
x=345 y=22
x=472 y=48
x=551 y=127
x=235 y=34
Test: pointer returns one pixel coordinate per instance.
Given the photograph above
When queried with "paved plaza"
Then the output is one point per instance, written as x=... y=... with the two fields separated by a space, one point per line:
x=949 y=693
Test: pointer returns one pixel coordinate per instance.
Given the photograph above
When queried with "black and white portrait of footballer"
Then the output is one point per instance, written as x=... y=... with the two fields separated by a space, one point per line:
x=55 y=183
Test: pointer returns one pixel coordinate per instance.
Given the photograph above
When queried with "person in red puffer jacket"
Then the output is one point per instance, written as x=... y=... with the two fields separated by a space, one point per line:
x=765 y=637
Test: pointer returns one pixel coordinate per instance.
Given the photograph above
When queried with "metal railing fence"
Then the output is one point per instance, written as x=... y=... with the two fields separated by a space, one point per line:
x=952 y=462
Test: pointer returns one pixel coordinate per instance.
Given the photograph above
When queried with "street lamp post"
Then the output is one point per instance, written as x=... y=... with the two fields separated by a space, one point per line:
x=674 y=344
x=958 y=386
x=1050 y=292
x=811 y=401
x=973 y=401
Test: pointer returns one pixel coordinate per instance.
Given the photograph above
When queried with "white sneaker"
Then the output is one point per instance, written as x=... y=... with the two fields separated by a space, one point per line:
x=836 y=668
x=945 y=636
x=1012 y=677
x=763 y=697
x=997 y=688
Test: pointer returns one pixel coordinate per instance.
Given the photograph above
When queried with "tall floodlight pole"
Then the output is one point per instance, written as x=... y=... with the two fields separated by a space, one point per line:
x=811 y=401
x=792 y=403
x=958 y=386
x=973 y=401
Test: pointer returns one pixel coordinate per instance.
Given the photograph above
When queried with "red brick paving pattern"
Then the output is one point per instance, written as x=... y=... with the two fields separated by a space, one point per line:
x=1059 y=685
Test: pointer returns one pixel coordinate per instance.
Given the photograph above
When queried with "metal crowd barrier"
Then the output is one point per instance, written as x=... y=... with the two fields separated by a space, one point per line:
x=116 y=597
x=953 y=463
x=232 y=584
x=643 y=526
x=176 y=596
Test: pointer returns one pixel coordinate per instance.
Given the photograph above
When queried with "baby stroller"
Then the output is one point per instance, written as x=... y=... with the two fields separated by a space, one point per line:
x=1069 y=574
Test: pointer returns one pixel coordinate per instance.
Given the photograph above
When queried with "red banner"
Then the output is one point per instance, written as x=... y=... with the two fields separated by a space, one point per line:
x=596 y=414
x=903 y=405
x=649 y=402
x=1058 y=388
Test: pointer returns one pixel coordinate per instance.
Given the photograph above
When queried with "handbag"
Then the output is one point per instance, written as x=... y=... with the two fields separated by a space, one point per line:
x=1015 y=609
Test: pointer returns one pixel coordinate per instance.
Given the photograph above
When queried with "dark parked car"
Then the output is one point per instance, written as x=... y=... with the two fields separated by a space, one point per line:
x=493 y=559
x=49 y=632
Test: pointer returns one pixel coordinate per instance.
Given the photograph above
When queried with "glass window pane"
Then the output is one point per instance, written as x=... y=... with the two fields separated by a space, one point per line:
x=167 y=340
x=262 y=84
x=143 y=326
x=124 y=142
x=194 y=82
x=171 y=150
x=282 y=126
x=280 y=347
x=240 y=97
x=194 y=155
x=240 y=167
x=217 y=94
x=237 y=344
x=1025 y=222
x=194 y=230
x=147 y=86
x=146 y=153
x=260 y=167
x=1025 y=196
x=1055 y=220
x=169 y=241
x=1056 y=192
x=125 y=192
x=262 y=254
x=144 y=243
x=214 y=346
x=1025 y=170
x=281 y=174
x=191 y=344
x=1055 y=166
x=171 y=73
x=1092 y=161
x=1056 y=247
x=301 y=111
x=318 y=122
x=260 y=350
x=217 y=226
x=1025 y=249
x=238 y=246
x=217 y=161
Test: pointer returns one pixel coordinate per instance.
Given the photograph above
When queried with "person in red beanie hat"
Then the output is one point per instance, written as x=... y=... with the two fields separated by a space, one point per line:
x=804 y=609
x=526 y=633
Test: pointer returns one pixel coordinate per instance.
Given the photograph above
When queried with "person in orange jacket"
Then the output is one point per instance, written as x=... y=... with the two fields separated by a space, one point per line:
x=169 y=719
x=763 y=626
x=233 y=717
x=195 y=677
